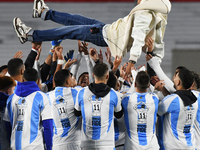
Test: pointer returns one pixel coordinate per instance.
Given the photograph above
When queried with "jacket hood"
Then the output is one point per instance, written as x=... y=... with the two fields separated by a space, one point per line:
x=24 y=89
x=159 y=6
x=100 y=89
x=3 y=99
x=187 y=97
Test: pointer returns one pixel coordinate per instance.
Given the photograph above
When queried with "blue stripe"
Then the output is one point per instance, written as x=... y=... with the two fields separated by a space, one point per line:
x=65 y=122
x=19 y=129
x=116 y=126
x=160 y=131
x=66 y=126
x=96 y=127
x=55 y=128
x=198 y=111
x=156 y=101
x=35 y=116
x=74 y=93
x=9 y=107
x=187 y=133
x=81 y=103
x=174 y=109
x=142 y=137
x=18 y=135
x=126 y=118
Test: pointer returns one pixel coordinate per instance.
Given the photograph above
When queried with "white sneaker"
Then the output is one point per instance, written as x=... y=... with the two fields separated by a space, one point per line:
x=21 y=29
x=38 y=6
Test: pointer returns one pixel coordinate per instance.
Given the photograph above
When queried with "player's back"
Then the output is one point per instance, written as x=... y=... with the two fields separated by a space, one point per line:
x=178 y=122
x=26 y=115
x=197 y=121
x=66 y=125
x=98 y=115
x=140 y=111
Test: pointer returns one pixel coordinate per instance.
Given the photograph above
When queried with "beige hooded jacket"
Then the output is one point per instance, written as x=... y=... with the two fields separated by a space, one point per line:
x=147 y=19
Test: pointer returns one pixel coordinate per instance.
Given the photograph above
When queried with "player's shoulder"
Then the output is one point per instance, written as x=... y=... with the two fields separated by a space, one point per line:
x=170 y=97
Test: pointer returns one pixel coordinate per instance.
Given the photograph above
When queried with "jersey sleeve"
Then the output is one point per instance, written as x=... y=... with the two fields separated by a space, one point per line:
x=164 y=105
x=79 y=99
x=118 y=106
x=8 y=111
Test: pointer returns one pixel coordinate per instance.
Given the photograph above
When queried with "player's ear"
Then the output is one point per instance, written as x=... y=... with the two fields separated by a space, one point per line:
x=149 y=85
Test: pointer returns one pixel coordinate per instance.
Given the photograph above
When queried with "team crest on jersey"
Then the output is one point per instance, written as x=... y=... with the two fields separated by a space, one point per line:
x=61 y=104
x=189 y=110
x=141 y=108
x=96 y=105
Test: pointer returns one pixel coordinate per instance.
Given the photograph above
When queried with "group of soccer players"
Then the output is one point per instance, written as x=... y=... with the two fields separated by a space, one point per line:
x=142 y=113
x=44 y=107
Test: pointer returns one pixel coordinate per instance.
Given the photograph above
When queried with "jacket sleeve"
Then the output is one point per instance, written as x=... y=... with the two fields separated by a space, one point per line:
x=141 y=23
x=89 y=67
x=76 y=65
x=29 y=62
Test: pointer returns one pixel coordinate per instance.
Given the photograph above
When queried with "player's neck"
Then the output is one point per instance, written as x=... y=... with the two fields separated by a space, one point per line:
x=139 y=91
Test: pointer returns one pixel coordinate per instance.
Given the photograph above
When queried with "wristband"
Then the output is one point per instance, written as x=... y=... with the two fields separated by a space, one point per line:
x=121 y=79
x=60 y=62
x=50 y=53
x=132 y=61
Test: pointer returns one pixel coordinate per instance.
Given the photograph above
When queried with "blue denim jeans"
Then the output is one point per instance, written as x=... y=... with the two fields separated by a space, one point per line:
x=75 y=27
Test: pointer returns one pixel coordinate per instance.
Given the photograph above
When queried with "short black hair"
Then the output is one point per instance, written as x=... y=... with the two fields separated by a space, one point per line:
x=142 y=80
x=14 y=65
x=186 y=77
x=112 y=80
x=61 y=76
x=196 y=79
x=100 y=70
x=30 y=74
x=3 y=67
x=81 y=76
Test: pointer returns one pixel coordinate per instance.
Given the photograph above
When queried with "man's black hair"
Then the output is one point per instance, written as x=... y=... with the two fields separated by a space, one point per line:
x=61 y=76
x=186 y=77
x=14 y=65
x=196 y=79
x=100 y=70
x=30 y=74
x=3 y=67
x=81 y=76
x=142 y=80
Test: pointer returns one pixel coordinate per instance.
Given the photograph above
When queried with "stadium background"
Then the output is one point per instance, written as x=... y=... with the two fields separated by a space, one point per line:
x=182 y=37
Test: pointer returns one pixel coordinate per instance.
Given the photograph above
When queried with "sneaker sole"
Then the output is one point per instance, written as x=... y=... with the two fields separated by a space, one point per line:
x=35 y=9
x=18 y=34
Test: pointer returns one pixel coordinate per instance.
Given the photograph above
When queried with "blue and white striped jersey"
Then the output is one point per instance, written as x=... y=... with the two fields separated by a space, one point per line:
x=120 y=129
x=25 y=115
x=177 y=130
x=140 y=112
x=66 y=125
x=98 y=118
x=197 y=122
